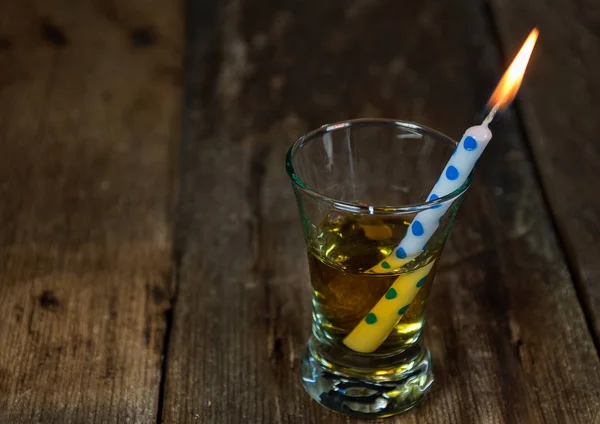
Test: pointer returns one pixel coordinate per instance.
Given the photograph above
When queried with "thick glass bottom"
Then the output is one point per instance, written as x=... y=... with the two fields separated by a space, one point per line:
x=366 y=387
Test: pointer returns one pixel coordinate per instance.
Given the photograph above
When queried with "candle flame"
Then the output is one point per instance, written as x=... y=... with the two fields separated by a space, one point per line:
x=508 y=86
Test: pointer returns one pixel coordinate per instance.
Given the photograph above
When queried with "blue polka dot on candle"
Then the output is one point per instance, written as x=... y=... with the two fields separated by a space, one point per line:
x=401 y=253
x=421 y=282
x=417 y=228
x=470 y=143
x=434 y=196
x=451 y=173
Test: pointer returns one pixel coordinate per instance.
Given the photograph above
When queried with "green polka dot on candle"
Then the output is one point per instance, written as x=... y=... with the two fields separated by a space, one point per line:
x=371 y=318
x=421 y=281
x=391 y=294
x=385 y=265
x=402 y=310
x=371 y=271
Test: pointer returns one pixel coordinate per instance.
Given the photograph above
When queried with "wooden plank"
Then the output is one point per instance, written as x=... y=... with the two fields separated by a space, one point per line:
x=89 y=114
x=509 y=340
x=560 y=106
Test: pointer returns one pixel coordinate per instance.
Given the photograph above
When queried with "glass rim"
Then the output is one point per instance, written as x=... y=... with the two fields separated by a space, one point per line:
x=370 y=209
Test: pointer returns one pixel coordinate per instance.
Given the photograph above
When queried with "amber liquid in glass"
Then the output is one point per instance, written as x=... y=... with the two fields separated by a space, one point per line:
x=344 y=291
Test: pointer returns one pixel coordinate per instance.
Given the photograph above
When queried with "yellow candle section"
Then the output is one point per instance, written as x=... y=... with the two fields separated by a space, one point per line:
x=385 y=315
x=389 y=263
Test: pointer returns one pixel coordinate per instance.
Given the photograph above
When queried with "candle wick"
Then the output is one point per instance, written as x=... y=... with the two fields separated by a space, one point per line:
x=490 y=116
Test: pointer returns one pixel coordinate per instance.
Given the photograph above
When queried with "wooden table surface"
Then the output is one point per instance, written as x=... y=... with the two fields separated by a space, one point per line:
x=152 y=267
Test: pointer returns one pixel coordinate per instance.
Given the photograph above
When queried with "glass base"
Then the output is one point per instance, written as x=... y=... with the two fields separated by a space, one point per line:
x=366 y=386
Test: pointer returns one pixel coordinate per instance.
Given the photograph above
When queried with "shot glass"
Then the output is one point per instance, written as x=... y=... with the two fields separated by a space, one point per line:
x=358 y=186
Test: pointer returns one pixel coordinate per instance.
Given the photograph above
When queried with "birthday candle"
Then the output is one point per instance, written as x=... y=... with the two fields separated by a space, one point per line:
x=458 y=168
x=370 y=333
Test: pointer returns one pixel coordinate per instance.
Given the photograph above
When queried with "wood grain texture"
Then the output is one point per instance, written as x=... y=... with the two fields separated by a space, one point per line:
x=560 y=106
x=509 y=339
x=89 y=115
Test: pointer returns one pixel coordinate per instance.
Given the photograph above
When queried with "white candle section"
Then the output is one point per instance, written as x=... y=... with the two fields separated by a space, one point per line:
x=458 y=168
